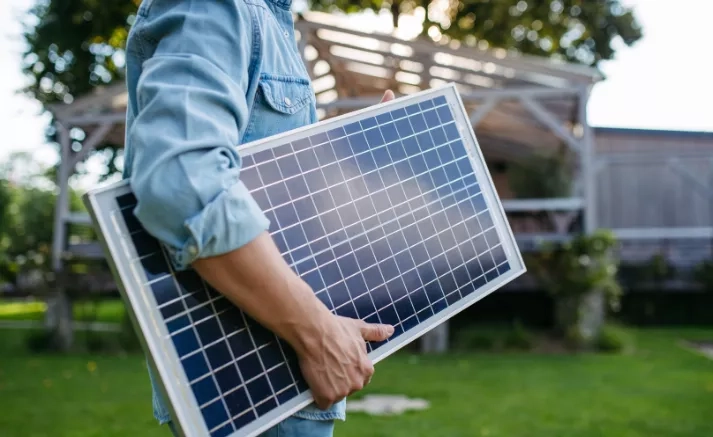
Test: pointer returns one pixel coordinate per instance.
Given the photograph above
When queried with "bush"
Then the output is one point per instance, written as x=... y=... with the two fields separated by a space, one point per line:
x=41 y=341
x=518 y=338
x=472 y=339
x=494 y=338
x=703 y=275
x=128 y=339
x=613 y=338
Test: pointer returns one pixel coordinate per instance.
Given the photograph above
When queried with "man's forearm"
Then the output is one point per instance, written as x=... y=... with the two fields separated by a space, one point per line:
x=256 y=278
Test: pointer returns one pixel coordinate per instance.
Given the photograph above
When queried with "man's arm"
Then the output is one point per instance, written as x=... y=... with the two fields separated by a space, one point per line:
x=190 y=111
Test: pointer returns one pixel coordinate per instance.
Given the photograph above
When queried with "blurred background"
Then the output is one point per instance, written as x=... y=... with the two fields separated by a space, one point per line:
x=594 y=118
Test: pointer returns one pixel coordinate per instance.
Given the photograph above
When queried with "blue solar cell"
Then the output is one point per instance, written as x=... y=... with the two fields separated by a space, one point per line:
x=172 y=309
x=295 y=238
x=288 y=165
x=399 y=149
x=425 y=104
x=431 y=117
x=215 y=414
x=352 y=128
x=205 y=391
x=338 y=293
x=318 y=139
x=307 y=160
x=404 y=127
x=283 y=150
x=246 y=161
x=259 y=389
x=335 y=133
x=325 y=154
x=237 y=402
x=439 y=136
x=145 y=244
x=358 y=143
x=444 y=113
x=341 y=147
x=374 y=138
x=388 y=131
x=263 y=156
x=368 y=123
x=278 y=194
x=398 y=113
x=126 y=200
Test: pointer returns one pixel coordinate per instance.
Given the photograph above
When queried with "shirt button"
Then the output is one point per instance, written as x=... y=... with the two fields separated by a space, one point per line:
x=193 y=250
x=288 y=102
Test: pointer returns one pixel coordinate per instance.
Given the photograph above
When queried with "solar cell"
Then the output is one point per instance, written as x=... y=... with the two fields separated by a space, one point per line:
x=387 y=213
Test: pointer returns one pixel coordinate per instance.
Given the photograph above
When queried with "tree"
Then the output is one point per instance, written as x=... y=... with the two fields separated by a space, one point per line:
x=575 y=30
x=27 y=215
x=75 y=45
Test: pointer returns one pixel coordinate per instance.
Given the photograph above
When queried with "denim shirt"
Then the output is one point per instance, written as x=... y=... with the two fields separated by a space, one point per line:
x=204 y=77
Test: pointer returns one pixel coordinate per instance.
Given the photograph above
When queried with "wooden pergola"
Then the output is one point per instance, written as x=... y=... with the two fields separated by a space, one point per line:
x=519 y=106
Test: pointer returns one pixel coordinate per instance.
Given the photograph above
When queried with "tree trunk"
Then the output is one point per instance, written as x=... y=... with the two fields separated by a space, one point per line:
x=59 y=320
x=395 y=12
x=580 y=318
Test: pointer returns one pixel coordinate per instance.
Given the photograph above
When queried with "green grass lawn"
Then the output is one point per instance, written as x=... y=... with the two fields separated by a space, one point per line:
x=660 y=389
x=109 y=311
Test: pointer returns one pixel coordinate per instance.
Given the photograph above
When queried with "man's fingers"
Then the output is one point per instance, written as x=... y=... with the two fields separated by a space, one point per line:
x=388 y=95
x=376 y=332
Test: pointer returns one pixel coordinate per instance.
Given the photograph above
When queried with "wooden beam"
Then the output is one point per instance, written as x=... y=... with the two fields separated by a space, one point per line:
x=482 y=111
x=83 y=120
x=551 y=122
x=517 y=93
x=521 y=64
x=553 y=204
x=90 y=143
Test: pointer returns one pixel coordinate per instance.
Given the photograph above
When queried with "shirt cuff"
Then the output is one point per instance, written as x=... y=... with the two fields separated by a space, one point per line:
x=230 y=221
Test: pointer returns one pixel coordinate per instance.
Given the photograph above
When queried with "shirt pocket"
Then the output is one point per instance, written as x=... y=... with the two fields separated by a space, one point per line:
x=282 y=103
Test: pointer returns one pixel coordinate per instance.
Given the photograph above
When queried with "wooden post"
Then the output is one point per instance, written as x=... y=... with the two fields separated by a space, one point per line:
x=59 y=308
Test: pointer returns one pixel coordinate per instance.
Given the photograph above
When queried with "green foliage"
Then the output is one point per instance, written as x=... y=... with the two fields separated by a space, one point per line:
x=479 y=338
x=27 y=224
x=518 y=338
x=574 y=30
x=75 y=46
x=41 y=341
x=128 y=338
x=475 y=339
x=578 y=267
x=703 y=275
x=655 y=271
x=613 y=338
x=540 y=177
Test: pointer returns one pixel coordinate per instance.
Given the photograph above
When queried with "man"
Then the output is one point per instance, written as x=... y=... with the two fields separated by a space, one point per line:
x=204 y=77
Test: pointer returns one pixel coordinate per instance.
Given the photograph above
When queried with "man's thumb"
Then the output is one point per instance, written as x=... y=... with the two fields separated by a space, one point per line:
x=376 y=332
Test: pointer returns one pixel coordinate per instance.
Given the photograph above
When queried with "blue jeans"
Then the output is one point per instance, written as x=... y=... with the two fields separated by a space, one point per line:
x=295 y=427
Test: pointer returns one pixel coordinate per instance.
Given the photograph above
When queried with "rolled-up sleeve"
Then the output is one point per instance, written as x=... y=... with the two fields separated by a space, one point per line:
x=190 y=111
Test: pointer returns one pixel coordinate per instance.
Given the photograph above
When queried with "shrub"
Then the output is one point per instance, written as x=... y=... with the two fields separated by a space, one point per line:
x=519 y=338
x=470 y=339
x=581 y=276
x=128 y=339
x=613 y=338
x=703 y=275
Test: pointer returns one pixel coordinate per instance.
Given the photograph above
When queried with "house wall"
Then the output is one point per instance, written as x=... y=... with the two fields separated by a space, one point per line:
x=636 y=186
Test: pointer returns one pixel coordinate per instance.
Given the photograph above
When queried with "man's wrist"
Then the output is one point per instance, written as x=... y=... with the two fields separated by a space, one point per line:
x=311 y=323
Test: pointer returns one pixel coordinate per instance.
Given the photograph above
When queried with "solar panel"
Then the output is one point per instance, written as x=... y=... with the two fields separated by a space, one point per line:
x=388 y=213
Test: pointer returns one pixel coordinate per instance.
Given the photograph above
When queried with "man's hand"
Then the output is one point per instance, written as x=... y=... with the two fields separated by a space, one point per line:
x=331 y=349
x=337 y=364
x=388 y=95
